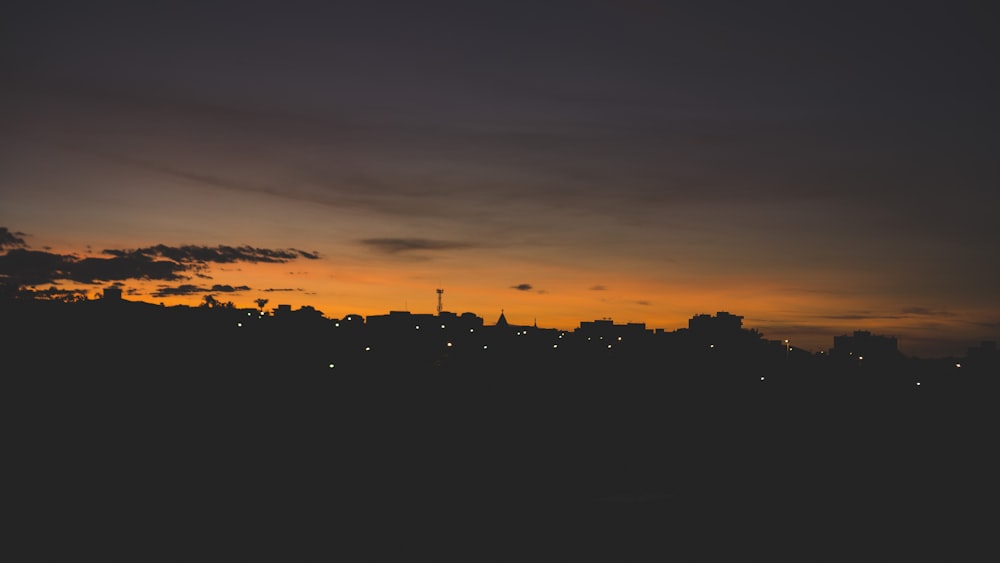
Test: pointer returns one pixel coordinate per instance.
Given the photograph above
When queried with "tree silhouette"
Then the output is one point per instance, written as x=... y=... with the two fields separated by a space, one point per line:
x=211 y=302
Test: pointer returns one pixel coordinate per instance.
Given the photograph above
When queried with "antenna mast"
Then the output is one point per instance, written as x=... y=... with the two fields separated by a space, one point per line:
x=439 y=292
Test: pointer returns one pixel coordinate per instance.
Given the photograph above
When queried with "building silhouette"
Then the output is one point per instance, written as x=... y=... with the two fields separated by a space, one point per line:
x=863 y=346
x=112 y=294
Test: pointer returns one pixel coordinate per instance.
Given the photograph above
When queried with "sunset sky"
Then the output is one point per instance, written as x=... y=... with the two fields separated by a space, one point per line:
x=818 y=168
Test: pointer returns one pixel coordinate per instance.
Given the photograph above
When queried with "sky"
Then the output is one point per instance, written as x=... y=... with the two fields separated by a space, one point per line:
x=815 y=167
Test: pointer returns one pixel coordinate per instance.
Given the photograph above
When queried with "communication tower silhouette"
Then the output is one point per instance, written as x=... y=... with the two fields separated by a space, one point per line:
x=440 y=292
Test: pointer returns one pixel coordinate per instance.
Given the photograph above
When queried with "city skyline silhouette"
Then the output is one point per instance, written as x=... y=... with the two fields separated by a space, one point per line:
x=42 y=274
x=147 y=432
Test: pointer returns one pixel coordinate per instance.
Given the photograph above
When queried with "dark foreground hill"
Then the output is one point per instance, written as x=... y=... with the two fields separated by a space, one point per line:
x=145 y=444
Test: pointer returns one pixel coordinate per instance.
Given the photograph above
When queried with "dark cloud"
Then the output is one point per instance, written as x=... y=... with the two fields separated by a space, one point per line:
x=598 y=288
x=185 y=289
x=903 y=314
x=229 y=288
x=189 y=289
x=397 y=245
x=216 y=254
x=522 y=287
x=643 y=302
x=11 y=240
x=859 y=316
x=307 y=255
x=20 y=267
x=93 y=270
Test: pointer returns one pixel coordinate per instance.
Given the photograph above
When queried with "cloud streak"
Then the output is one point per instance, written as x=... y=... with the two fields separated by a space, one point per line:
x=406 y=245
x=188 y=289
x=926 y=312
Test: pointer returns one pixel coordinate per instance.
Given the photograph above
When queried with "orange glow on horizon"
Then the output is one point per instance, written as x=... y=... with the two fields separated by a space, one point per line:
x=560 y=297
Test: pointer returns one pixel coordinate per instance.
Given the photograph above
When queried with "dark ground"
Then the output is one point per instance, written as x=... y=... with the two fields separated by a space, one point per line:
x=129 y=445
x=380 y=468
